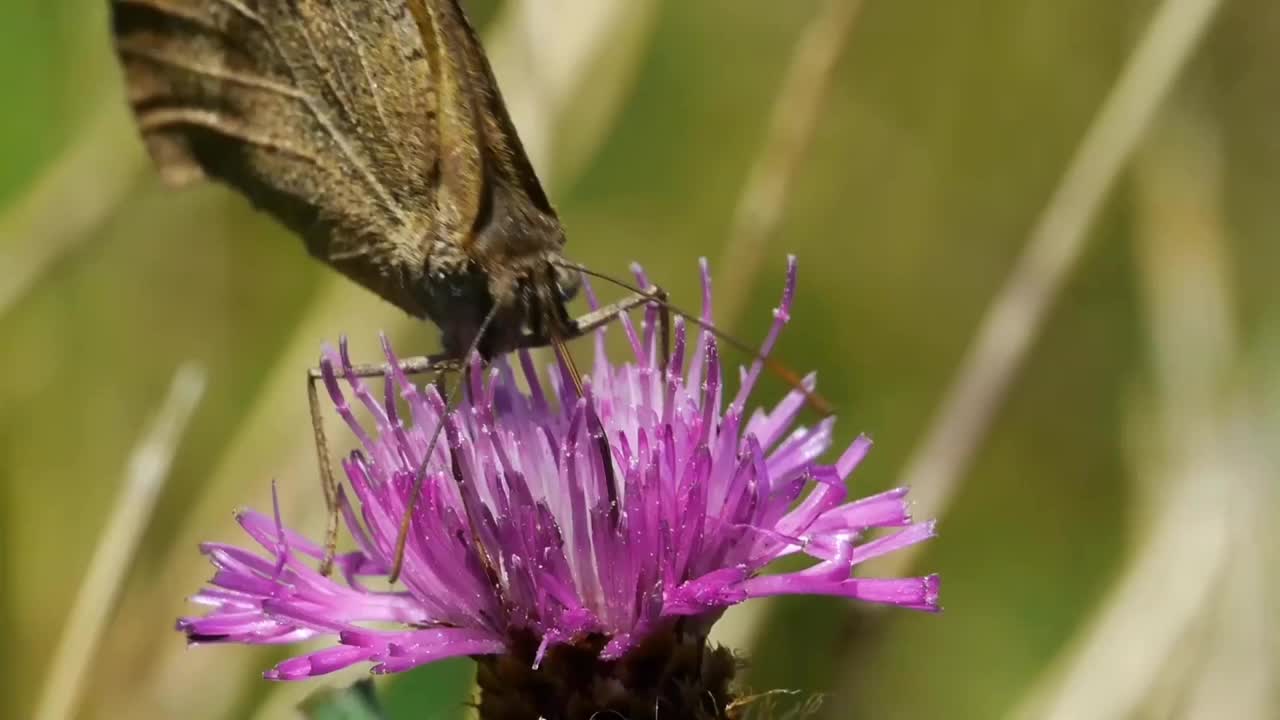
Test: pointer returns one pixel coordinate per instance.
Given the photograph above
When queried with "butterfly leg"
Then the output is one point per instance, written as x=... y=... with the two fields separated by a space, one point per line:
x=328 y=480
x=604 y=315
x=664 y=328
x=402 y=536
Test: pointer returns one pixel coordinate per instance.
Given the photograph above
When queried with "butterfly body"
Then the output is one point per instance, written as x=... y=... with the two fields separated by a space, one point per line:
x=373 y=130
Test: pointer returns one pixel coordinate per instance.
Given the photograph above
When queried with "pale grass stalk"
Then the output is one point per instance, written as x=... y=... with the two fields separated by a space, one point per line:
x=1150 y=614
x=1016 y=315
x=274 y=438
x=1182 y=251
x=1237 y=664
x=797 y=110
x=69 y=203
x=545 y=46
x=145 y=476
x=1143 y=652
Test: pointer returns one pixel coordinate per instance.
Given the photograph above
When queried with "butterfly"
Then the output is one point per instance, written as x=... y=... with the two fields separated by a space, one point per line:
x=376 y=132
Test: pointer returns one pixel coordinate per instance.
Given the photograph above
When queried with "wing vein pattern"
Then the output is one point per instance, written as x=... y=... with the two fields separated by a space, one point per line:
x=313 y=109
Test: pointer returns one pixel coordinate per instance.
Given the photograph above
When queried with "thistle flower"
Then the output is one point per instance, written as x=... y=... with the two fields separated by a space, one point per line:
x=580 y=582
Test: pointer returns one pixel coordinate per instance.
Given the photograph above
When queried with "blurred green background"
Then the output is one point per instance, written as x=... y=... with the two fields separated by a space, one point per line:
x=943 y=133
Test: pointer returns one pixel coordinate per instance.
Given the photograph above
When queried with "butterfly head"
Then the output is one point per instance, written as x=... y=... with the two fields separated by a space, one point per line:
x=538 y=305
x=527 y=299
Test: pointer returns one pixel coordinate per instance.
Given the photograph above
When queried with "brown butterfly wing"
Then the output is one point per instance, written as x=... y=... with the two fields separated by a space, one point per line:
x=323 y=113
x=481 y=115
x=489 y=191
x=373 y=128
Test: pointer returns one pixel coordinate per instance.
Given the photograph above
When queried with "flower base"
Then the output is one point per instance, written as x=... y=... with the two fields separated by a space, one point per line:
x=672 y=674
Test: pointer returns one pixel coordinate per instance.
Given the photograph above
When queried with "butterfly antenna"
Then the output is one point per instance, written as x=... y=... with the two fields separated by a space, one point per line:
x=420 y=477
x=789 y=376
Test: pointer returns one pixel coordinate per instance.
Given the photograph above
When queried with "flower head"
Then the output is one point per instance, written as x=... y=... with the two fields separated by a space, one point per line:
x=550 y=522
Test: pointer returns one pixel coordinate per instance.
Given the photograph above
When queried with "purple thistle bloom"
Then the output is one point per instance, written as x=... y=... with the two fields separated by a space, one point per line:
x=529 y=549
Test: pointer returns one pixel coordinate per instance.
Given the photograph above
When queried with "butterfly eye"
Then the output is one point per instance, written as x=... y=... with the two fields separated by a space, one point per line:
x=568 y=280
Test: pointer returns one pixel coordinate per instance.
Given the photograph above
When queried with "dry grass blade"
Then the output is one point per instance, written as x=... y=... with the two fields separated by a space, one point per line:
x=797 y=110
x=1143 y=654
x=1015 y=316
x=1235 y=667
x=1142 y=625
x=147 y=472
x=1236 y=664
x=273 y=438
x=71 y=200
x=607 y=37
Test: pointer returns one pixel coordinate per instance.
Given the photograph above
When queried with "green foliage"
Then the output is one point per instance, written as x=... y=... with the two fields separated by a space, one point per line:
x=357 y=702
